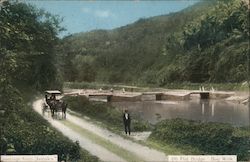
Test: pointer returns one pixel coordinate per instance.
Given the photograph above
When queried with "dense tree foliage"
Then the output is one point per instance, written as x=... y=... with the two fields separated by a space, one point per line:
x=220 y=41
x=28 y=38
x=206 y=42
x=27 y=61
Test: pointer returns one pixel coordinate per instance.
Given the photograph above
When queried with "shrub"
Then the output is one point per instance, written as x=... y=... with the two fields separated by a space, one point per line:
x=213 y=138
x=139 y=126
x=30 y=134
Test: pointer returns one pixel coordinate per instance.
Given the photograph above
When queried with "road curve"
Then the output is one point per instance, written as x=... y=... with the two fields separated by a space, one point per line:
x=96 y=150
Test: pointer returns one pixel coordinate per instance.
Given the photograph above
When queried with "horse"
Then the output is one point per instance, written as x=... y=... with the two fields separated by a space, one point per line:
x=61 y=105
x=51 y=104
x=57 y=106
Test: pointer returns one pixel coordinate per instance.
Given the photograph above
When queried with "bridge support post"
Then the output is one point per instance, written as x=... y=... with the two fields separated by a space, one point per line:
x=204 y=95
x=158 y=97
x=109 y=98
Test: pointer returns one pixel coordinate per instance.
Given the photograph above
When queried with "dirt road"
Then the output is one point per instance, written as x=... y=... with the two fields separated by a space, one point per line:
x=72 y=129
x=84 y=142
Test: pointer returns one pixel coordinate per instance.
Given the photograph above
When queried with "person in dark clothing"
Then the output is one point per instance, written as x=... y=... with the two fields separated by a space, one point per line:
x=126 y=121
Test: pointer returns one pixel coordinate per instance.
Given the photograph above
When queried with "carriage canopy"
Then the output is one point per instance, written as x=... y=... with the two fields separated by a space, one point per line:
x=55 y=105
x=56 y=92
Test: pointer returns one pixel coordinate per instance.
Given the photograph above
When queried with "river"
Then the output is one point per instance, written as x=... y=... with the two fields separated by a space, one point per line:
x=204 y=110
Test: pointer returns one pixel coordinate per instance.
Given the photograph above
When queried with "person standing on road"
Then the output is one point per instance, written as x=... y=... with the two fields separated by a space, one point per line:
x=126 y=121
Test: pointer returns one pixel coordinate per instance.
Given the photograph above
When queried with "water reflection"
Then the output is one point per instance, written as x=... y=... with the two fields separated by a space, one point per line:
x=203 y=110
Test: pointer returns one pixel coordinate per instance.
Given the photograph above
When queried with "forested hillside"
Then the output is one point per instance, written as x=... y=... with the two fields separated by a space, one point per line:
x=206 y=42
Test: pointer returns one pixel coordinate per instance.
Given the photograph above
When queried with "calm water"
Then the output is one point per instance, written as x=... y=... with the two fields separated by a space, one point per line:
x=196 y=109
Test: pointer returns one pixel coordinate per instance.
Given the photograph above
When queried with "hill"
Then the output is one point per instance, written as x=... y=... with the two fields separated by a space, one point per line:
x=206 y=42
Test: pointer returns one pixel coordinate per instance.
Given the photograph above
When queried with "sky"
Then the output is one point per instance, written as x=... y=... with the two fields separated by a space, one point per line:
x=83 y=16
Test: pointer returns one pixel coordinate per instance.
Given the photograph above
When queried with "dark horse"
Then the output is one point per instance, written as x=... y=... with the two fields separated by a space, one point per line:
x=57 y=106
x=61 y=106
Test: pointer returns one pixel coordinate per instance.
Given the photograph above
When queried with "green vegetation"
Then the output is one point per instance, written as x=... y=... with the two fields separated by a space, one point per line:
x=27 y=46
x=171 y=149
x=87 y=157
x=205 y=43
x=27 y=61
x=210 y=138
x=103 y=112
x=28 y=133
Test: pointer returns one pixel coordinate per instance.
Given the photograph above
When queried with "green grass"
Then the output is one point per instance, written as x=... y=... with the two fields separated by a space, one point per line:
x=242 y=132
x=129 y=156
x=105 y=125
x=87 y=157
x=171 y=149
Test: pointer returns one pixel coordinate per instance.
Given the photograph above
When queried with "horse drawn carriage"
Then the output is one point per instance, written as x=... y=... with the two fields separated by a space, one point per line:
x=53 y=104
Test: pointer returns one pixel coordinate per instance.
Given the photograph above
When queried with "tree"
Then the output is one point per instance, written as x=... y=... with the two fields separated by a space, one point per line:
x=29 y=36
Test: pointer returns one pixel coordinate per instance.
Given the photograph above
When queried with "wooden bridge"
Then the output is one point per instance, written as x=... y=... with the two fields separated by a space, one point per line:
x=171 y=96
x=113 y=97
x=118 y=97
x=108 y=95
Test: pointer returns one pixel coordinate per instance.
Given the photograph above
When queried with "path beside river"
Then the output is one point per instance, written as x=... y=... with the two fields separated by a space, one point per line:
x=100 y=142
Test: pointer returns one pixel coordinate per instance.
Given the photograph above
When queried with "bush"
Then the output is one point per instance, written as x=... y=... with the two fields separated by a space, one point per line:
x=139 y=126
x=30 y=134
x=213 y=138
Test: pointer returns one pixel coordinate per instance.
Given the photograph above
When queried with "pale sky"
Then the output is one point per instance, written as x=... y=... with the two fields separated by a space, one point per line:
x=82 y=16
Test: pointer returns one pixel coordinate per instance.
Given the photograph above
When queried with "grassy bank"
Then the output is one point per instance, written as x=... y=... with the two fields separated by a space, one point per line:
x=141 y=87
x=207 y=138
x=103 y=112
